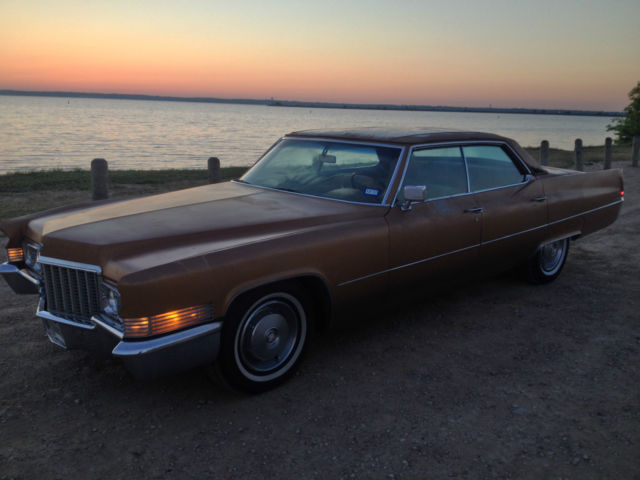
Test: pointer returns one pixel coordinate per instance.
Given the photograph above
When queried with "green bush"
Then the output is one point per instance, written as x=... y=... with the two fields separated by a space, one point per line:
x=629 y=125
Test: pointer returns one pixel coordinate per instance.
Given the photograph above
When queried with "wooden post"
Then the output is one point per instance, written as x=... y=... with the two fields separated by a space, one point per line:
x=544 y=152
x=607 y=153
x=99 y=179
x=635 y=150
x=578 y=150
x=214 y=169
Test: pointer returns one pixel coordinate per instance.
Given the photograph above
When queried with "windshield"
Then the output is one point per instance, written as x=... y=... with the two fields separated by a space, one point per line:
x=343 y=171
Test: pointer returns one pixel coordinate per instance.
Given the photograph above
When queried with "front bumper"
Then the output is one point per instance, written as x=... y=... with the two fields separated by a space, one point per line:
x=171 y=353
x=144 y=358
x=18 y=280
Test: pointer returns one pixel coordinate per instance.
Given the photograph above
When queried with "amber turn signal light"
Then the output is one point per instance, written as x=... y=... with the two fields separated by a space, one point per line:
x=167 y=322
x=15 y=255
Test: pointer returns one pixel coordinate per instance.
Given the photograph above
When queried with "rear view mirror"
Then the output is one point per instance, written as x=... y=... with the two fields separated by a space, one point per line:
x=413 y=194
x=321 y=159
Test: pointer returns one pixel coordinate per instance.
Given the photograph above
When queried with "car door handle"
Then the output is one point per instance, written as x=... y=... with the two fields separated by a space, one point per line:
x=473 y=210
x=539 y=199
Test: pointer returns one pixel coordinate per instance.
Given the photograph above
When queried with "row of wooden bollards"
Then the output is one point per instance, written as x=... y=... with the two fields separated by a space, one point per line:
x=100 y=168
x=608 y=150
x=100 y=176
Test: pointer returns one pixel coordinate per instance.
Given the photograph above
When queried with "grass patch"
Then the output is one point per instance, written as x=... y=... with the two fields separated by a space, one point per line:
x=81 y=179
x=590 y=155
x=22 y=193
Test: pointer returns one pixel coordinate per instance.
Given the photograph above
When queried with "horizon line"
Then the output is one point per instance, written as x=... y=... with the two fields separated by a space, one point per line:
x=313 y=104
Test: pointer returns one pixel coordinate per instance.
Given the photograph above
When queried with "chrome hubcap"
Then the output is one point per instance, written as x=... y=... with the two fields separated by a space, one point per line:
x=551 y=256
x=269 y=336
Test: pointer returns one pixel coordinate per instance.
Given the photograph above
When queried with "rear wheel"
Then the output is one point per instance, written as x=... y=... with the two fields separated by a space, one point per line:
x=263 y=338
x=546 y=264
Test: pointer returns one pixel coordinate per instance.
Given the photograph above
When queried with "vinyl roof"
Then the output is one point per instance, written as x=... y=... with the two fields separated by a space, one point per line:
x=401 y=136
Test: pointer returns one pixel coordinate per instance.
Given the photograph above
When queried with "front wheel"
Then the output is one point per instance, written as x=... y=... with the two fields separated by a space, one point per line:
x=546 y=264
x=263 y=338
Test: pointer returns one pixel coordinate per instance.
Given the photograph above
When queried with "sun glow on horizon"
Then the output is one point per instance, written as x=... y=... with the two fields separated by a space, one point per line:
x=462 y=53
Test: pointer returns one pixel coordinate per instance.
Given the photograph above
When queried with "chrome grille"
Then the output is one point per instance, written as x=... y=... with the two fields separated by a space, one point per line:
x=72 y=293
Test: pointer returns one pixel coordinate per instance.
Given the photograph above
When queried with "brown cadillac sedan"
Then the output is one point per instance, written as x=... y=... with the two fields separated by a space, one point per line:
x=239 y=274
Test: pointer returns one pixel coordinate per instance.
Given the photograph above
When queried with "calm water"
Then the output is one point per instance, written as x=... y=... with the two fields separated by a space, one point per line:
x=43 y=133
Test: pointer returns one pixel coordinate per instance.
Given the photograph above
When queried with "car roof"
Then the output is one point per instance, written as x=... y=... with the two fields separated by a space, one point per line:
x=408 y=136
x=400 y=135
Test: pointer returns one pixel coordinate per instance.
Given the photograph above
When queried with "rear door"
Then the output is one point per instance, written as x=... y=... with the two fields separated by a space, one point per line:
x=512 y=202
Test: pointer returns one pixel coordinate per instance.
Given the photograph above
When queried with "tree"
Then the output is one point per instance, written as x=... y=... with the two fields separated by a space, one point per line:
x=629 y=125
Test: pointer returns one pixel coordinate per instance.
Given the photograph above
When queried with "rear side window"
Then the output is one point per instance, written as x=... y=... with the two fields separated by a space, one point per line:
x=491 y=167
x=441 y=170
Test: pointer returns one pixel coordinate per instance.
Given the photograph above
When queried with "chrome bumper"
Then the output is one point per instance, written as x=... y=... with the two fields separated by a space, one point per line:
x=18 y=280
x=171 y=353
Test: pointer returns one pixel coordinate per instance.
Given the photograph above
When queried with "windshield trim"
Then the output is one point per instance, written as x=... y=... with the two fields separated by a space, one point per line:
x=385 y=199
x=279 y=190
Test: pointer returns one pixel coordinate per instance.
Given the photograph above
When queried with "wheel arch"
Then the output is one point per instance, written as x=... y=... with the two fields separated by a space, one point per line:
x=314 y=285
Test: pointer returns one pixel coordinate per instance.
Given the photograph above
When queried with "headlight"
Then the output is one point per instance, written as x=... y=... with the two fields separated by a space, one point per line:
x=31 y=252
x=110 y=300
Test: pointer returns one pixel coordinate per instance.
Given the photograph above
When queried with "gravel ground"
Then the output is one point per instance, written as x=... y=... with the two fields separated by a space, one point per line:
x=498 y=379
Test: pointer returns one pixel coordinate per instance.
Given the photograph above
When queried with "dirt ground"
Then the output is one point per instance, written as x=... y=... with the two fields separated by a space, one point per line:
x=499 y=379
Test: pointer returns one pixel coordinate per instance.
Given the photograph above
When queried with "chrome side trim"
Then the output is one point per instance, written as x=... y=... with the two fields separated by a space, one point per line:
x=484 y=243
x=417 y=262
x=69 y=264
x=52 y=318
x=143 y=347
x=587 y=211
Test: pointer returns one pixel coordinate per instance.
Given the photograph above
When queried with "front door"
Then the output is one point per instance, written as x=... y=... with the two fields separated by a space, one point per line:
x=436 y=239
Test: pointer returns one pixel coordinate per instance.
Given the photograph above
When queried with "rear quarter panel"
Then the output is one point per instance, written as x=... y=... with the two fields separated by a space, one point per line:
x=581 y=203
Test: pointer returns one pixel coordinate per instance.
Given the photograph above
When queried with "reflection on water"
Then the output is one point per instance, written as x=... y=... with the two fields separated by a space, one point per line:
x=43 y=133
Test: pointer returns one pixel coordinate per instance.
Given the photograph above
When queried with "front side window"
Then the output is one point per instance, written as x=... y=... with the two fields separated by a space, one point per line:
x=491 y=167
x=343 y=171
x=441 y=170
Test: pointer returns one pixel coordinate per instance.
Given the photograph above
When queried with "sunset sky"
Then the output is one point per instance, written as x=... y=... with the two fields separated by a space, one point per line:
x=555 y=54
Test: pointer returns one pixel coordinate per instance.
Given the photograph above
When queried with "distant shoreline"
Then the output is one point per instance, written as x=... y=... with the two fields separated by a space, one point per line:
x=295 y=103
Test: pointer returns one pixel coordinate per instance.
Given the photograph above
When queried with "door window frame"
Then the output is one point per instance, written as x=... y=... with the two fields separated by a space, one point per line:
x=515 y=158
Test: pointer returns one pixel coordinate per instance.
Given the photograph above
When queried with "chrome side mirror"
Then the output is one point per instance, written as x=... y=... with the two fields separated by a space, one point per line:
x=413 y=194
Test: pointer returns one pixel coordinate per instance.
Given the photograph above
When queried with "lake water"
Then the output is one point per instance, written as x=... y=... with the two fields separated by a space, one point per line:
x=44 y=133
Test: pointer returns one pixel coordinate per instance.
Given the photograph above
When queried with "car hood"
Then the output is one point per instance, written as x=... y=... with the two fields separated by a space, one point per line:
x=137 y=234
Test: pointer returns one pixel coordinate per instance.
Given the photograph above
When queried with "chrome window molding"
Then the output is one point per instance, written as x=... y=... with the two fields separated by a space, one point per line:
x=466 y=168
x=428 y=259
x=384 y=203
x=428 y=146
